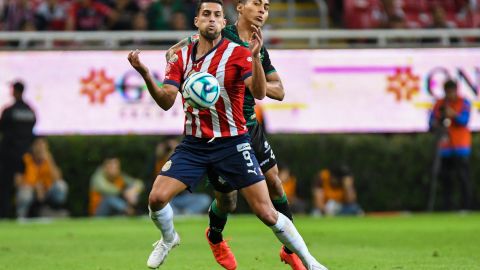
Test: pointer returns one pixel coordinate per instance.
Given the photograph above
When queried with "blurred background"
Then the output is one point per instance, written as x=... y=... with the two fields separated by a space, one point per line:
x=361 y=79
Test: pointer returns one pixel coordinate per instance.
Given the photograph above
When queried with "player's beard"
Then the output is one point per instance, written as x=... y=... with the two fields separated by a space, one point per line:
x=209 y=35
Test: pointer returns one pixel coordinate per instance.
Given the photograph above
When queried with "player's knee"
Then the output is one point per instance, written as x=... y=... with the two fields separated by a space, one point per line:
x=268 y=215
x=228 y=206
x=227 y=203
x=158 y=199
x=269 y=218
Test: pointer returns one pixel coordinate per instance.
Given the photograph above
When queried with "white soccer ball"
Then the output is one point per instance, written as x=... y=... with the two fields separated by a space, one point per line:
x=201 y=90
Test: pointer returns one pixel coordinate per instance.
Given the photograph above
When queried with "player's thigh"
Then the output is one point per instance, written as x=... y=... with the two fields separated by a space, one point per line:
x=164 y=189
x=262 y=149
x=225 y=194
x=187 y=165
x=236 y=164
x=274 y=183
x=257 y=198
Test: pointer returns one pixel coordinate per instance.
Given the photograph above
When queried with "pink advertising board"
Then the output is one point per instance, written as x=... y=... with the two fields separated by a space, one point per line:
x=388 y=90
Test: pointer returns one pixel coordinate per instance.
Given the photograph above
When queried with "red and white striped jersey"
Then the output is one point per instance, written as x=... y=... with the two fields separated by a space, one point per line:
x=231 y=64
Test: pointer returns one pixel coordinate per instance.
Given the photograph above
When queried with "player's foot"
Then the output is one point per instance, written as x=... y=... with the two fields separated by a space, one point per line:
x=316 y=266
x=291 y=259
x=222 y=253
x=161 y=250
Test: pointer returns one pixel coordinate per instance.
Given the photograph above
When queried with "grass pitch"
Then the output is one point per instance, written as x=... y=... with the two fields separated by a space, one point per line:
x=450 y=241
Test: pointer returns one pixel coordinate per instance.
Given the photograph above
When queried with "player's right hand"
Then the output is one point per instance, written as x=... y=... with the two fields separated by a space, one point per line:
x=134 y=60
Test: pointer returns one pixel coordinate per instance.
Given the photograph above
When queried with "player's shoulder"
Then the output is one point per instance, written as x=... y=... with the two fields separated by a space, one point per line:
x=181 y=53
x=238 y=49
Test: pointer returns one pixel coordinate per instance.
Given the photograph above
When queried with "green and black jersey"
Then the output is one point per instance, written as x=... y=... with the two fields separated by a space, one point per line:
x=230 y=32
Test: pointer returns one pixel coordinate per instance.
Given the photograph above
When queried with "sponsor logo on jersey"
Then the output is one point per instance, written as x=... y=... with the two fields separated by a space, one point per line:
x=264 y=162
x=167 y=166
x=243 y=147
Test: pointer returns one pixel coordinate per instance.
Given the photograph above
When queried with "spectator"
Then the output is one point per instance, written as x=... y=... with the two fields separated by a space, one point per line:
x=159 y=13
x=438 y=18
x=40 y=182
x=125 y=12
x=16 y=14
x=185 y=203
x=334 y=193
x=88 y=15
x=140 y=22
x=179 y=21
x=51 y=15
x=16 y=127
x=449 y=121
x=289 y=183
x=113 y=192
x=393 y=16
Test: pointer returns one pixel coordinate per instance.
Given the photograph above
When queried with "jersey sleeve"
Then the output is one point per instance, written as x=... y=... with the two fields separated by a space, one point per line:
x=245 y=62
x=173 y=71
x=268 y=68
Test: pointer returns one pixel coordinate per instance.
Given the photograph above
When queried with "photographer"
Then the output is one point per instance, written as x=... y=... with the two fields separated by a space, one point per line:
x=448 y=121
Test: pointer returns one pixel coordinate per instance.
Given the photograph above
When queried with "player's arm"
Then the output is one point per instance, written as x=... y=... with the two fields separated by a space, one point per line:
x=175 y=48
x=275 y=87
x=274 y=83
x=182 y=43
x=463 y=116
x=163 y=96
x=257 y=83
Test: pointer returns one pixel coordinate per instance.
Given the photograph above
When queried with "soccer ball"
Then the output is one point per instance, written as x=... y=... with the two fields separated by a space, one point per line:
x=201 y=90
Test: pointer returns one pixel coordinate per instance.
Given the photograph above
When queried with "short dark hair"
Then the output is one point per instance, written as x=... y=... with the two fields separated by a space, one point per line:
x=18 y=86
x=450 y=85
x=200 y=2
x=341 y=171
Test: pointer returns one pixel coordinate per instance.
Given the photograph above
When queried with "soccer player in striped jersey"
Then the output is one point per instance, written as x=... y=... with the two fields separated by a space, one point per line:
x=250 y=12
x=217 y=137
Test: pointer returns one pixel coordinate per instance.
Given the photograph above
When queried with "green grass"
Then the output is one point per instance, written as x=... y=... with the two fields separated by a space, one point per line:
x=404 y=242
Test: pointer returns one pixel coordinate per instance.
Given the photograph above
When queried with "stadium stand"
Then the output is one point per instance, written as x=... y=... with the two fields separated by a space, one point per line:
x=122 y=24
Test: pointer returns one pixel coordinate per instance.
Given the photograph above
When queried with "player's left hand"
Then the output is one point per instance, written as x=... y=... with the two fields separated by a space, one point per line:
x=256 y=41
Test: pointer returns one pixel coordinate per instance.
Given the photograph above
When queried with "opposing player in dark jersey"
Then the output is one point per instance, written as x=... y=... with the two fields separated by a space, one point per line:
x=215 y=138
x=250 y=12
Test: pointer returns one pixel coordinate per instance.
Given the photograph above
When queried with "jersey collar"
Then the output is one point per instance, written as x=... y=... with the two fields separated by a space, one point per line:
x=194 y=50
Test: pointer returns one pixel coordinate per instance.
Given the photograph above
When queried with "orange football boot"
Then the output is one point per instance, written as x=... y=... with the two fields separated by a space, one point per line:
x=222 y=253
x=292 y=259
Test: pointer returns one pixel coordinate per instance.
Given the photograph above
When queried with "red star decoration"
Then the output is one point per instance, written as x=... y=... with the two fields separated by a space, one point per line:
x=97 y=86
x=403 y=84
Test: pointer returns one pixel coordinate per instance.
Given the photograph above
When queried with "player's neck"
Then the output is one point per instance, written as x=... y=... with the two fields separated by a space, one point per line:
x=206 y=45
x=244 y=29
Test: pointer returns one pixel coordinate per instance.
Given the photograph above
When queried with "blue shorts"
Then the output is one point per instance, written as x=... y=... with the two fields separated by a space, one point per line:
x=232 y=158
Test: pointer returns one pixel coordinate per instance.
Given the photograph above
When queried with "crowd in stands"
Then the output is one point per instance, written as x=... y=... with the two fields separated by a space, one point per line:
x=91 y=15
x=400 y=14
x=88 y=15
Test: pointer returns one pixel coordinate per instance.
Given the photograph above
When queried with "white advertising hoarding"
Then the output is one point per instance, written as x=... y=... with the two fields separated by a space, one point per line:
x=389 y=90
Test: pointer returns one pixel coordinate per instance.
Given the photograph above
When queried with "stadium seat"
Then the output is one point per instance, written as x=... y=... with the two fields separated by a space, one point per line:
x=359 y=14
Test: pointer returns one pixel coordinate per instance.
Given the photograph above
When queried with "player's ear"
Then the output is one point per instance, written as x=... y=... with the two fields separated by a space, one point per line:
x=195 y=21
x=224 y=23
x=240 y=7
